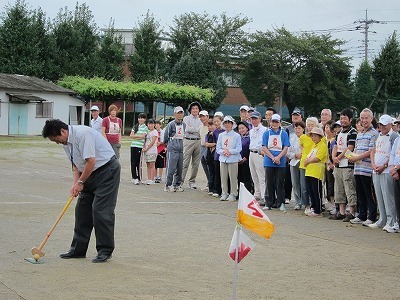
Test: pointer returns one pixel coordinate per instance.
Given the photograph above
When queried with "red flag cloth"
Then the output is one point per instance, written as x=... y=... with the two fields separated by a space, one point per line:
x=245 y=245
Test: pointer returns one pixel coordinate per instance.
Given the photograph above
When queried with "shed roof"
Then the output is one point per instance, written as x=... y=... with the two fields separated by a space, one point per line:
x=30 y=83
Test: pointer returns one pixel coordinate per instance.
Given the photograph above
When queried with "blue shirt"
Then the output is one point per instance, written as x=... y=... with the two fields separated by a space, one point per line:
x=284 y=137
x=233 y=142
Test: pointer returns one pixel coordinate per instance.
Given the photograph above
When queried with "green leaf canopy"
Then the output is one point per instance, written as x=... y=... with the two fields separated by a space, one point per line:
x=106 y=90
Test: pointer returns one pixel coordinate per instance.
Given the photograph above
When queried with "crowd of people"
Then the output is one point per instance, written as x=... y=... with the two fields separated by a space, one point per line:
x=319 y=164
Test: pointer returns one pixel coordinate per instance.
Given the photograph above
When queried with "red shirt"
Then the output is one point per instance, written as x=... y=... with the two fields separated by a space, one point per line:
x=113 y=129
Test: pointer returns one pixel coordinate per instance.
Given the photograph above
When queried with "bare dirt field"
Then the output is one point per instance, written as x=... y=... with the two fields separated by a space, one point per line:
x=175 y=245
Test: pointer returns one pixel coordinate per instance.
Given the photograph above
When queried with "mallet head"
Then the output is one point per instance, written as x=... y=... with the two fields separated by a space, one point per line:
x=37 y=251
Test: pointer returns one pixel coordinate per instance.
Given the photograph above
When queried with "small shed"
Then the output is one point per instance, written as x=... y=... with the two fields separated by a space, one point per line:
x=26 y=102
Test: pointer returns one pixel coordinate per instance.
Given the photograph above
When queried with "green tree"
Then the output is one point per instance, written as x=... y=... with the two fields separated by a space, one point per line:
x=110 y=55
x=200 y=70
x=76 y=40
x=387 y=68
x=203 y=45
x=20 y=25
x=364 y=87
x=307 y=71
x=148 y=55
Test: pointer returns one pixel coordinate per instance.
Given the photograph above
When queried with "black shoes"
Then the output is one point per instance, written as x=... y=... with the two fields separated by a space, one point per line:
x=100 y=258
x=71 y=254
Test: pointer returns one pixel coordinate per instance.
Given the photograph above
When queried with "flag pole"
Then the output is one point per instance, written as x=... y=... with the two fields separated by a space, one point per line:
x=235 y=274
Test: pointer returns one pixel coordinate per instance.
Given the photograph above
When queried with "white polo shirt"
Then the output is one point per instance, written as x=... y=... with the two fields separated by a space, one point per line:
x=85 y=142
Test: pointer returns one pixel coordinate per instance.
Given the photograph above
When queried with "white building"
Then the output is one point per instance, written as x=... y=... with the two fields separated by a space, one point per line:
x=27 y=102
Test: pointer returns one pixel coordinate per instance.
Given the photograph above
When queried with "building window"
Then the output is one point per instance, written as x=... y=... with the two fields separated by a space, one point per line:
x=44 y=110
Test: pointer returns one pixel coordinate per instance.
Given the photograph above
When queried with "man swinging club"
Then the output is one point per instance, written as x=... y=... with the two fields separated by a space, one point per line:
x=96 y=177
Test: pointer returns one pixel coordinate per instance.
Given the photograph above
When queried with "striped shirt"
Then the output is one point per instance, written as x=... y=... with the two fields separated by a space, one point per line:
x=365 y=142
x=139 y=143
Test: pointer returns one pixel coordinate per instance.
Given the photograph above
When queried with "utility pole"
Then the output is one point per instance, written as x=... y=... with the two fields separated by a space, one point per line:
x=365 y=25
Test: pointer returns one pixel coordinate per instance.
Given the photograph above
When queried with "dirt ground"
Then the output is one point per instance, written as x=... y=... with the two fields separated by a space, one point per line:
x=175 y=245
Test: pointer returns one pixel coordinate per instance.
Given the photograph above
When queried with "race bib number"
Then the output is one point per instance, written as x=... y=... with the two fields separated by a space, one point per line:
x=179 y=132
x=227 y=142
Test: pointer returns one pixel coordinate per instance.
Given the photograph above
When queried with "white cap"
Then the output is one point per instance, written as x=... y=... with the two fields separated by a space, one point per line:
x=218 y=113
x=338 y=123
x=95 y=107
x=228 y=119
x=385 y=120
x=245 y=107
x=178 y=109
x=203 y=113
x=276 y=117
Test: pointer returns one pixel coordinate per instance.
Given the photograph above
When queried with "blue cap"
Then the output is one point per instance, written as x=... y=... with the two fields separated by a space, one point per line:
x=255 y=114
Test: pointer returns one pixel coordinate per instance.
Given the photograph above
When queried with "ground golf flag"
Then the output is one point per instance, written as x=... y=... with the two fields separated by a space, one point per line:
x=251 y=216
x=243 y=246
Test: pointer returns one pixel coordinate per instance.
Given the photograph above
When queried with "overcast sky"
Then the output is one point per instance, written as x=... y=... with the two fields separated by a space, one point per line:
x=307 y=15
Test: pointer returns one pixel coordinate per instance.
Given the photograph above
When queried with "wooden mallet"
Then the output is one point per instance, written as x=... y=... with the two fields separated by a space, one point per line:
x=37 y=252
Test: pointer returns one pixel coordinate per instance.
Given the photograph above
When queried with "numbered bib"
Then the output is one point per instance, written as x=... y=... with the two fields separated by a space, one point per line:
x=341 y=146
x=114 y=127
x=227 y=142
x=179 y=132
x=382 y=150
x=275 y=142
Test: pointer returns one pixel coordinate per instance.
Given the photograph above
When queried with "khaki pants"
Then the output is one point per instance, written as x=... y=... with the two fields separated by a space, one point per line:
x=345 y=186
x=256 y=162
x=191 y=152
x=229 y=171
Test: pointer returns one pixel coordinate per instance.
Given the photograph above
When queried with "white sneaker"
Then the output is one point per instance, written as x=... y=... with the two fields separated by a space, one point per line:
x=192 y=185
x=205 y=189
x=333 y=211
x=179 y=189
x=224 y=197
x=307 y=211
x=149 y=182
x=391 y=229
x=135 y=181
x=282 y=207
x=215 y=195
x=287 y=201
x=210 y=193
x=374 y=225
x=231 y=198
x=367 y=222
x=356 y=220
x=169 y=189
x=297 y=207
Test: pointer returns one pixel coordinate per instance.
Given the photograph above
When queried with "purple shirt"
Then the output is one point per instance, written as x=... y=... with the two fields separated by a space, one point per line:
x=216 y=133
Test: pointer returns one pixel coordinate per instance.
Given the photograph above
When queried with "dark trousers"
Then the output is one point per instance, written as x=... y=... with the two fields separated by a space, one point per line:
x=244 y=176
x=397 y=197
x=136 y=153
x=211 y=176
x=330 y=184
x=205 y=168
x=275 y=184
x=366 y=201
x=314 y=189
x=95 y=209
x=217 y=178
x=288 y=183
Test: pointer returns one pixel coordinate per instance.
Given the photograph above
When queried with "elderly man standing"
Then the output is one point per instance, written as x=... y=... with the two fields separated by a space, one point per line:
x=366 y=203
x=96 y=176
x=326 y=115
x=192 y=143
x=96 y=120
x=244 y=115
x=256 y=158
